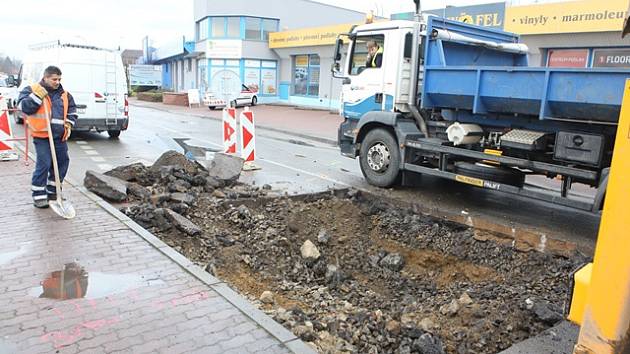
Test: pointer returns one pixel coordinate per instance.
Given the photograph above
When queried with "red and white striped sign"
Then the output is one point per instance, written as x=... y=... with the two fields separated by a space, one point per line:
x=229 y=130
x=248 y=135
x=6 y=146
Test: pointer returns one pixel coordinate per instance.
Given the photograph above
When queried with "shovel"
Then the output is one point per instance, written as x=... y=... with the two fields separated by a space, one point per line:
x=63 y=209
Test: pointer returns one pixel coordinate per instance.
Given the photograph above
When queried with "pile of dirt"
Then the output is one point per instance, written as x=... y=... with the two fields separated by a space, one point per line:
x=351 y=275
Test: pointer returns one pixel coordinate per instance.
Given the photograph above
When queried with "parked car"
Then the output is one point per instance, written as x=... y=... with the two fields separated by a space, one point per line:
x=248 y=96
x=9 y=91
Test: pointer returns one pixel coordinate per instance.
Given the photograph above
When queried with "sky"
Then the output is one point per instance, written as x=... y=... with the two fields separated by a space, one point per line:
x=123 y=23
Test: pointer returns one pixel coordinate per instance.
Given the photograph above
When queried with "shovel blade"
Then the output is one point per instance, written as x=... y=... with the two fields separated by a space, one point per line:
x=63 y=209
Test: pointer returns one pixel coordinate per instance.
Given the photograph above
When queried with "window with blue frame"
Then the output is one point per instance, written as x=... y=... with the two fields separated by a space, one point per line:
x=218 y=27
x=253 y=28
x=202 y=29
x=236 y=27
x=269 y=26
x=306 y=75
x=233 y=27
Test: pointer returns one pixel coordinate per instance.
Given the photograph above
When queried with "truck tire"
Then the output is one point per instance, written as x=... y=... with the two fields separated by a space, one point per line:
x=504 y=175
x=379 y=158
x=114 y=134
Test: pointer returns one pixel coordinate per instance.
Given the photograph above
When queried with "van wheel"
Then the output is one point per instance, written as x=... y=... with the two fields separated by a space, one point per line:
x=379 y=158
x=254 y=100
x=114 y=134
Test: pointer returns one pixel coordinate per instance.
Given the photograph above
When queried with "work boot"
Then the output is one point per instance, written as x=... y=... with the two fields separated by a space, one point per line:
x=41 y=203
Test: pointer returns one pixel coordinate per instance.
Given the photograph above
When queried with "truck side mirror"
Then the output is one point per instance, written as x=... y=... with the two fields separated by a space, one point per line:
x=11 y=82
x=338 y=46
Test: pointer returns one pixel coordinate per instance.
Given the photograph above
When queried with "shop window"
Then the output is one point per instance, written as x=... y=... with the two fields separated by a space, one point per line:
x=218 y=27
x=359 y=56
x=189 y=65
x=252 y=28
x=269 y=26
x=234 y=27
x=202 y=29
x=306 y=75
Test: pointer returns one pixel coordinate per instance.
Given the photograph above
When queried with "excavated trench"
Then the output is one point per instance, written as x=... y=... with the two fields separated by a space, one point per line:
x=386 y=279
x=351 y=273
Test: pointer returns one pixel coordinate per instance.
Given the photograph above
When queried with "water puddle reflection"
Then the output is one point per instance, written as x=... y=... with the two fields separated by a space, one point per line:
x=73 y=282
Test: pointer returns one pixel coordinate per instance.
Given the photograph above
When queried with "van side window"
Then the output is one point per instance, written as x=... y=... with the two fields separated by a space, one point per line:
x=367 y=53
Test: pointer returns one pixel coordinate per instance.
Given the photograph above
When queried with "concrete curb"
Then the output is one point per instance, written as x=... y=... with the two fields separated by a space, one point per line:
x=261 y=127
x=275 y=329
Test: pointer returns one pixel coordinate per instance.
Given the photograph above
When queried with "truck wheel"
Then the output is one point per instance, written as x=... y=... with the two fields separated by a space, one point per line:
x=379 y=158
x=493 y=173
x=114 y=134
x=254 y=101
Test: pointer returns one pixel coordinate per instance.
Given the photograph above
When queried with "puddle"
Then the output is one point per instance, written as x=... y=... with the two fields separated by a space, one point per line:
x=7 y=257
x=78 y=283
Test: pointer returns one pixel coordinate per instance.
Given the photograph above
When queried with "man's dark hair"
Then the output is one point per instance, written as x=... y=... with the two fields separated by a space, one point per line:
x=52 y=70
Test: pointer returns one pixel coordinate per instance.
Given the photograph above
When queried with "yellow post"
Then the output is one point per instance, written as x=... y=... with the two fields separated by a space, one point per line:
x=605 y=325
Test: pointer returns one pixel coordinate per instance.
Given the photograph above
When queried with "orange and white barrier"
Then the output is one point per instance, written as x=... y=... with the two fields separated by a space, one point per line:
x=229 y=130
x=248 y=139
x=7 y=150
x=248 y=135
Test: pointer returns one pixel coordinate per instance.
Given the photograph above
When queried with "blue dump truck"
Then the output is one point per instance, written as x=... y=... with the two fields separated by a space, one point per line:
x=459 y=101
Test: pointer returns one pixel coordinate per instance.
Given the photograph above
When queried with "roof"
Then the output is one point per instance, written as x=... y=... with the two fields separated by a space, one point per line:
x=131 y=53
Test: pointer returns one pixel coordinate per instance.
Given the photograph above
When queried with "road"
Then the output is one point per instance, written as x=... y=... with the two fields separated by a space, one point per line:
x=298 y=165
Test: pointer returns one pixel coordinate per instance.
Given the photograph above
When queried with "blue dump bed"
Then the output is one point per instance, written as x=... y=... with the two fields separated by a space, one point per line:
x=485 y=73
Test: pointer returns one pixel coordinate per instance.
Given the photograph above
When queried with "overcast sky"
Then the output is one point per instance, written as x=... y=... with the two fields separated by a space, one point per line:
x=113 y=23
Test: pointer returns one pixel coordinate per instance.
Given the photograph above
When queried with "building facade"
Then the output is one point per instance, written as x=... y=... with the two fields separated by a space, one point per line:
x=284 y=49
x=235 y=36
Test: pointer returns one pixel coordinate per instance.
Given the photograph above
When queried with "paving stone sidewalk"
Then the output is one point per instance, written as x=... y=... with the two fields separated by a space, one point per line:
x=141 y=296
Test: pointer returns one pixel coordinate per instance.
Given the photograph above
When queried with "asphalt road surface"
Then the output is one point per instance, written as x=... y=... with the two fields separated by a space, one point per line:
x=297 y=165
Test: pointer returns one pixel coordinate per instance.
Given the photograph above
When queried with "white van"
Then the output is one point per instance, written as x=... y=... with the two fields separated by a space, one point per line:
x=94 y=76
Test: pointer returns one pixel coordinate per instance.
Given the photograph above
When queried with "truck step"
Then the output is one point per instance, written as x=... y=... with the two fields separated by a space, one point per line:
x=524 y=139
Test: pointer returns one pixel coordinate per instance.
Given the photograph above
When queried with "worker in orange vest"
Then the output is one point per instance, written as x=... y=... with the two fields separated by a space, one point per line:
x=48 y=100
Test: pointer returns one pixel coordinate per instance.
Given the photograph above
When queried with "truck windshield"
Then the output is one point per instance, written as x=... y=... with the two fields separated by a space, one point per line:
x=361 y=58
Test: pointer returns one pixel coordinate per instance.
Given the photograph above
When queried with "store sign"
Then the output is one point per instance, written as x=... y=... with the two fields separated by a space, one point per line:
x=487 y=15
x=567 y=58
x=611 y=58
x=566 y=17
x=145 y=75
x=224 y=48
x=307 y=37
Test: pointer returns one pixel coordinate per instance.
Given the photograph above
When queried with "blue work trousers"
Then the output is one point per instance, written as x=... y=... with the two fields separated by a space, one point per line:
x=43 y=181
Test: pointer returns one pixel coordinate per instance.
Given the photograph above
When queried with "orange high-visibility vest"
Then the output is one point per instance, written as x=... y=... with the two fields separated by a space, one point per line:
x=37 y=121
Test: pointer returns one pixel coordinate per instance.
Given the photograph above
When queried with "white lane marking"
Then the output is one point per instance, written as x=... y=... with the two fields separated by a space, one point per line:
x=105 y=166
x=86 y=147
x=81 y=142
x=299 y=170
x=91 y=152
x=324 y=177
x=97 y=159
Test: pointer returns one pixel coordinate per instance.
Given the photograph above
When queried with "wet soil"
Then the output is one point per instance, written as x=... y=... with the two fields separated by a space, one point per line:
x=387 y=280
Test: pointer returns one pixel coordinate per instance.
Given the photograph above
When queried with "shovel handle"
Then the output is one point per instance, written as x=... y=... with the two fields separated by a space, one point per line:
x=53 y=152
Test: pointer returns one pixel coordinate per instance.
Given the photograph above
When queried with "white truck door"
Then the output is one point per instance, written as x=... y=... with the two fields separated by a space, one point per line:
x=365 y=91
